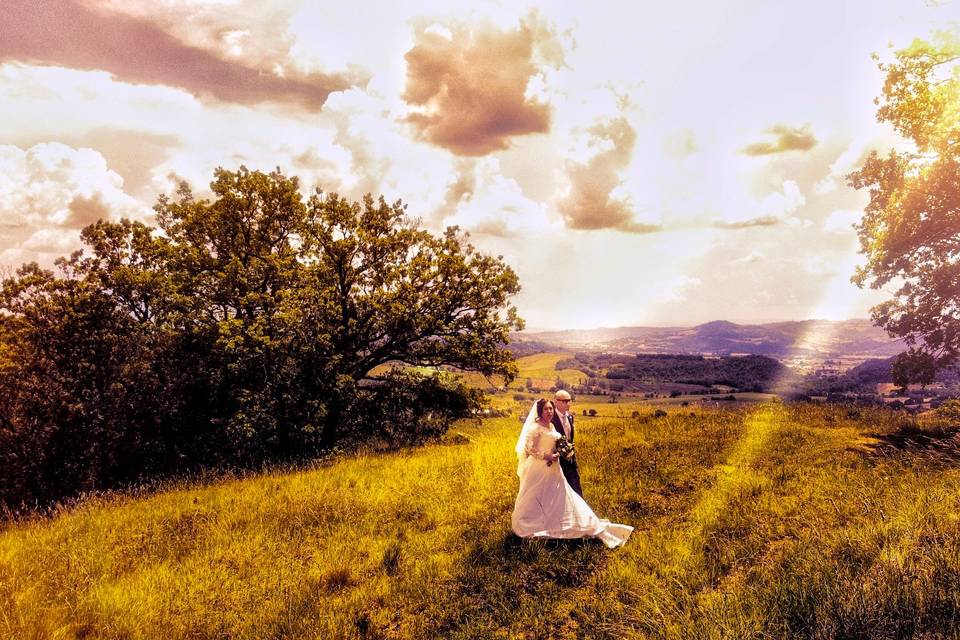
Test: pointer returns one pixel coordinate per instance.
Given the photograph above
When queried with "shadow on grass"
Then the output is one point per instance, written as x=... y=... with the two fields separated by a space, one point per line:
x=936 y=444
x=541 y=562
x=505 y=579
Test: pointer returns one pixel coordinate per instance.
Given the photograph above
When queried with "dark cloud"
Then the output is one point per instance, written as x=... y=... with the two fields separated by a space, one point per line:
x=763 y=221
x=68 y=33
x=786 y=139
x=86 y=211
x=589 y=204
x=471 y=89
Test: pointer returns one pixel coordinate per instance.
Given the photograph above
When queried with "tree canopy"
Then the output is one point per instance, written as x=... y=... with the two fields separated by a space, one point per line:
x=910 y=231
x=252 y=326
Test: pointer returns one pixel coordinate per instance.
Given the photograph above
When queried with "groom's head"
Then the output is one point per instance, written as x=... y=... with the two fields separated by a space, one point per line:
x=562 y=399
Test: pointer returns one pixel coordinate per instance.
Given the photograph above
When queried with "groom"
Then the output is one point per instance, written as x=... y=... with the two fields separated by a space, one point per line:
x=563 y=423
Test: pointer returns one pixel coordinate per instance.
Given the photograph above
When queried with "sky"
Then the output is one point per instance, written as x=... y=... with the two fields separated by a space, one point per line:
x=636 y=163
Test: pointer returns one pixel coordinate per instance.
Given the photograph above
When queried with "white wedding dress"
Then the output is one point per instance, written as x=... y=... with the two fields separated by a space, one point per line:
x=546 y=506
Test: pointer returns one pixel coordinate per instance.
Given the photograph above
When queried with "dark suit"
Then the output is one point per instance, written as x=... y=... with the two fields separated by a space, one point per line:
x=569 y=467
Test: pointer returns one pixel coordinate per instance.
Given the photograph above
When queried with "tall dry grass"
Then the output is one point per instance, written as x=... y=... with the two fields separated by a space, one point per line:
x=766 y=521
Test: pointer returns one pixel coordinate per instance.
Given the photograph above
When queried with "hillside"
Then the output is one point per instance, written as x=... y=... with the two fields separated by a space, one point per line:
x=749 y=373
x=769 y=521
x=811 y=338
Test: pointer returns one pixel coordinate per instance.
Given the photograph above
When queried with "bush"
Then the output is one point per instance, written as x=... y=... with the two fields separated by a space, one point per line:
x=950 y=411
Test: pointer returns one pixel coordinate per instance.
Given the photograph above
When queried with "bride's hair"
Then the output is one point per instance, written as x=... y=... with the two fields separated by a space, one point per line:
x=541 y=403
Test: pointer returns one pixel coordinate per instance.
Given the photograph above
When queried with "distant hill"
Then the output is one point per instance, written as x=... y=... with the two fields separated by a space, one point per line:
x=814 y=338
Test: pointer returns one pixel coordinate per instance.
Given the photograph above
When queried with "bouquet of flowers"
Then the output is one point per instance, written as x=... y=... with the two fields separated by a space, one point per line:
x=564 y=447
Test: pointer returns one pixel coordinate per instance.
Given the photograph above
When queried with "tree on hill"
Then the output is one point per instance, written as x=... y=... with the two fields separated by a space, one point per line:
x=910 y=232
x=913 y=367
x=250 y=327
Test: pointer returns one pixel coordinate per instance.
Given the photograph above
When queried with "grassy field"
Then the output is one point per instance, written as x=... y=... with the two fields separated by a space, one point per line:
x=755 y=521
x=542 y=371
x=540 y=368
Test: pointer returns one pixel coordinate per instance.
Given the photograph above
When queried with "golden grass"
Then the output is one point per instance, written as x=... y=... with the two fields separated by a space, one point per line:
x=543 y=365
x=540 y=368
x=756 y=521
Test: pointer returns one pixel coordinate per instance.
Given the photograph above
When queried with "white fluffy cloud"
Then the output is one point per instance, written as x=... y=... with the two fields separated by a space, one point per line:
x=49 y=192
x=842 y=221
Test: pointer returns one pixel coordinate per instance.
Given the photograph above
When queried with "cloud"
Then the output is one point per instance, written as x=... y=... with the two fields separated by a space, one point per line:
x=70 y=34
x=60 y=242
x=131 y=153
x=783 y=203
x=469 y=89
x=680 y=144
x=776 y=208
x=486 y=203
x=842 y=221
x=48 y=193
x=786 y=139
x=379 y=157
x=750 y=258
x=851 y=158
x=762 y=221
x=460 y=191
x=86 y=211
x=592 y=200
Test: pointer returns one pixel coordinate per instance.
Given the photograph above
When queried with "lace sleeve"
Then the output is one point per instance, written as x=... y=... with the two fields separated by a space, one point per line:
x=530 y=447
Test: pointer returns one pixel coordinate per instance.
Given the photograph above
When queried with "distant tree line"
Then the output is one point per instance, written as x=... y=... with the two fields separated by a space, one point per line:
x=863 y=378
x=523 y=348
x=746 y=373
x=253 y=327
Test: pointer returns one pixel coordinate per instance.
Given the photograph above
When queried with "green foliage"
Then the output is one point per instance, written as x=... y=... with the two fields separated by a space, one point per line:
x=910 y=232
x=252 y=327
x=913 y=367
x=748 y=373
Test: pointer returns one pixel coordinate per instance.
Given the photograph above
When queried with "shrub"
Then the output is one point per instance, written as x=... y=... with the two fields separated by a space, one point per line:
x=950 y=411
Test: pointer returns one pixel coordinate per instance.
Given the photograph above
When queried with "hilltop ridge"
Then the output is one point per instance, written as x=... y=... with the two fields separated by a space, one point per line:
x=855 y=338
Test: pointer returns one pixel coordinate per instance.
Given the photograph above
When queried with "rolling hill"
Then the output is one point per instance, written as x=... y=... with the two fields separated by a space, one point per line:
x=814 y=338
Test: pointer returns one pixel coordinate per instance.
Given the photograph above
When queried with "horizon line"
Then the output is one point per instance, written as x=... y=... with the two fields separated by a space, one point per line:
x=686 y=326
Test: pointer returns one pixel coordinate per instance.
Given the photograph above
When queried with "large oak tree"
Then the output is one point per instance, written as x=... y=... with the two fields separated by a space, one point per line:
x=250 y=326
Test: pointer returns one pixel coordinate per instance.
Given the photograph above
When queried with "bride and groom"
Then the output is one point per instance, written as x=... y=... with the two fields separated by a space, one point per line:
x=550 y=502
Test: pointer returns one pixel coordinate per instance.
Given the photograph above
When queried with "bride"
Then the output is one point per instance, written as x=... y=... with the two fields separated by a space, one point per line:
x=546 y=506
